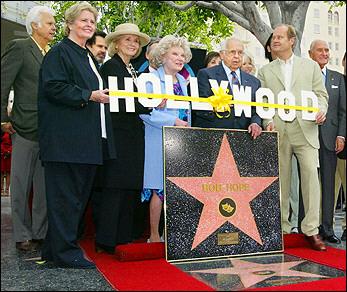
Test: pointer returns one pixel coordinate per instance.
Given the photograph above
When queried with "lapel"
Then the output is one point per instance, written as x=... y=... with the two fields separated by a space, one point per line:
x=245 y=81
x=296 y=70
x=275 y=67
x=221 y=75
x=183 y=83
x=35 y=51
x=329 y=79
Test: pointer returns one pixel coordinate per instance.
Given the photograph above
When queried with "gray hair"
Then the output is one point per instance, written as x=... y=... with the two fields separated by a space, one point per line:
x=72 y=13
x=34 y=15
x=167 y=43
x=223 y=45
x=314 y=43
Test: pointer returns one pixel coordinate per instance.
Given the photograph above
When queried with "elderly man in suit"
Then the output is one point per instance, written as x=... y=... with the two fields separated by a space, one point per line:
x=332 y=135
x=294 y=74
x=20 y=65
x=229 y=70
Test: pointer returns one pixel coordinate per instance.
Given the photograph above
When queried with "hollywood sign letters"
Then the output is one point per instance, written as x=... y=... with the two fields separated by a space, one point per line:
x=241 y=98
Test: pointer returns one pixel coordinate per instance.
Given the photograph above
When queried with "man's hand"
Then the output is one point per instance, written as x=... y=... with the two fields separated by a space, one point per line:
x=7 y=127
x=320 y=118
x=270 y=127
x=255 y=130
x=340 y=144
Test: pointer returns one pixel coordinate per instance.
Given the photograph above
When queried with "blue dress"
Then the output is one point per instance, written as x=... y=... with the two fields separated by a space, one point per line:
x=154 y=168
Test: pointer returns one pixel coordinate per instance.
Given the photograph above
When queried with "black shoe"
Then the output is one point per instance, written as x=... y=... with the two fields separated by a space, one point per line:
x=100 y=248
x=332 y=239
x=38 y=243
x=343 y=237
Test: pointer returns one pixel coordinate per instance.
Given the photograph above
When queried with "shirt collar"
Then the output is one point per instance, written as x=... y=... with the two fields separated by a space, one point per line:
x=228 y=70
x=44 y=50
x=324 y=70
x=288 y=61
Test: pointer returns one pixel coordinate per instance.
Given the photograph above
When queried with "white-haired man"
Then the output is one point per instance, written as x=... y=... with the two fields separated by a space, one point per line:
x=20 y=63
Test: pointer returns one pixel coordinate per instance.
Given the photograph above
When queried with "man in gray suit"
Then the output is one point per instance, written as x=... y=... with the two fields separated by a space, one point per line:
x=293 y=74
x=20 y=65
x=332 y=135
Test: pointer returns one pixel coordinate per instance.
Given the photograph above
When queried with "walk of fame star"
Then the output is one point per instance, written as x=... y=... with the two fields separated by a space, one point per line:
x=251 y=273
x=228 y=197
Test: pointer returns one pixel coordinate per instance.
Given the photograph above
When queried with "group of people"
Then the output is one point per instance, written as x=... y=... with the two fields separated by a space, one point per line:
x=68 y=144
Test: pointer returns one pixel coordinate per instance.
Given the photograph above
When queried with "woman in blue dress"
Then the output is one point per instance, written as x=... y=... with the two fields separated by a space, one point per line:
x=169 y=57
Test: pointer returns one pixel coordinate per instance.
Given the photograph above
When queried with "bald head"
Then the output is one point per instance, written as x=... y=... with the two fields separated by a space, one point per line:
x=319 y=52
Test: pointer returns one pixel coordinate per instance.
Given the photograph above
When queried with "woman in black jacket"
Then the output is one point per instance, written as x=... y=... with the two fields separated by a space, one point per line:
x=122 y=178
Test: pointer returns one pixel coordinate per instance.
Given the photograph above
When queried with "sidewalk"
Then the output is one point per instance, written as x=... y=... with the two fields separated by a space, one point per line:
x=20 y=272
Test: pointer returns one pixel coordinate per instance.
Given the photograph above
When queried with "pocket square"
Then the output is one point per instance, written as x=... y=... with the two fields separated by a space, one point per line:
x=334 y=86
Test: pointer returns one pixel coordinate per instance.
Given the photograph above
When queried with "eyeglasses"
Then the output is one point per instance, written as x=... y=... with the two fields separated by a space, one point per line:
x=233 y=52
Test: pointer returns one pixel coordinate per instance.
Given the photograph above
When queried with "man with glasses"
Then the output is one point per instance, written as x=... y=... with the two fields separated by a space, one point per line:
x=231 y=53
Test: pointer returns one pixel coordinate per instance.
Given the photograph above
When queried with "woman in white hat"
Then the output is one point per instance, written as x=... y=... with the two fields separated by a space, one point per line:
x=122 y=178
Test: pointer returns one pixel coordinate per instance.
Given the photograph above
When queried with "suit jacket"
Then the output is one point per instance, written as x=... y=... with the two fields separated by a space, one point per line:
x=306 y=76
x=69 y=123
x=20 y=65
x=335 y=124
x=208 y=119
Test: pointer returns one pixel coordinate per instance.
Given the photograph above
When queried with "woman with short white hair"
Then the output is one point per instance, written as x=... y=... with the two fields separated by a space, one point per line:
x=169 y=57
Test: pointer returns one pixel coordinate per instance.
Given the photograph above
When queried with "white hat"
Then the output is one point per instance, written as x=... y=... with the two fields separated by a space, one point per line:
x=128 y=28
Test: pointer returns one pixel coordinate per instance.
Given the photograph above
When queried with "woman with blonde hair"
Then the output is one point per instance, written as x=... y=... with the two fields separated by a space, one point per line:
x=73 y=130
x=169 y=57
x=121 y=179
x=248 y=63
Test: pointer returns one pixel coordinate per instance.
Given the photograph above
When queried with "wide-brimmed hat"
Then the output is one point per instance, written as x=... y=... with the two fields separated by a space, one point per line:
x=127 y=28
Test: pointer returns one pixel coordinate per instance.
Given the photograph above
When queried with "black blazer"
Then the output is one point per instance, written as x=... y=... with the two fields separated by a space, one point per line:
x=335 y=123
x=125 y=172
x=69 y=123
x=208 y=119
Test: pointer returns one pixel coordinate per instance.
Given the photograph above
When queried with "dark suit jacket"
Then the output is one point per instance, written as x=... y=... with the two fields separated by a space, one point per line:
x=335 y=124
x=208 y=119
x=69 y=123
x=125 y=172
x=20 y=65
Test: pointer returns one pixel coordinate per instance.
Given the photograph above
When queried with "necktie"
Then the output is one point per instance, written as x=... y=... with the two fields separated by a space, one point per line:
x=323 y=77
x=234 y=79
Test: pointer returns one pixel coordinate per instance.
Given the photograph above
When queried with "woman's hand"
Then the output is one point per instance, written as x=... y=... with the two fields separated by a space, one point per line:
x=162 y=104
x=100 y=96
x=181 y=123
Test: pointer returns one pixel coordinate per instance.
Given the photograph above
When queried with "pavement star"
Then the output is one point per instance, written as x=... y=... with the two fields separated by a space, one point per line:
x=252 y=273
x=226 y=190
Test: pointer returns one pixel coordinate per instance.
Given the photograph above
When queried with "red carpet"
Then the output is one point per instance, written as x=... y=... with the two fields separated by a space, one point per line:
x=142 y=275
x=296 y=245
x=128 y=271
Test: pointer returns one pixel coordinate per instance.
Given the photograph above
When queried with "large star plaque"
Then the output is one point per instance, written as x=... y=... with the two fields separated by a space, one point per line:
x=221 y=193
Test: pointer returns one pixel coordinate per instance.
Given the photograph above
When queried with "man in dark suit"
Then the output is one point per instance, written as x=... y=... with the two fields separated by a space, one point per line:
x=229 y=70
x=332 y=135
x=20 y=64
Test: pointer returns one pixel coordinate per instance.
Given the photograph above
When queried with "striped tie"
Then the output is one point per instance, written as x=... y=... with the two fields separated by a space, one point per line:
x=234 y=79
